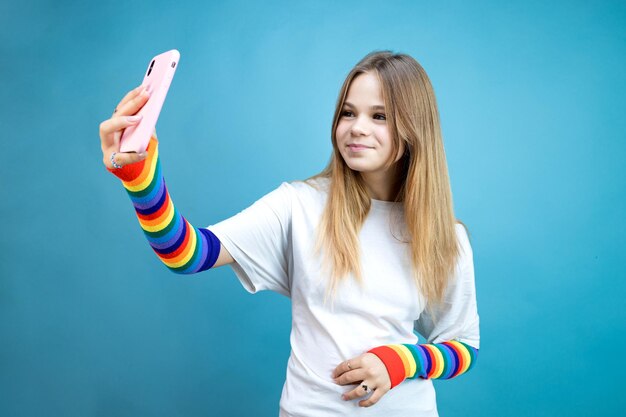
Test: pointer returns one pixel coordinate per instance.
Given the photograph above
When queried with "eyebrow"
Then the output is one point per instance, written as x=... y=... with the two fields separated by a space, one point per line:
x=377 y=107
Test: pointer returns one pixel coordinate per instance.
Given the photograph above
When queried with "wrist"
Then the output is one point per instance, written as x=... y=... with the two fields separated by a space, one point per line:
x=392 y=361
x=131 y=173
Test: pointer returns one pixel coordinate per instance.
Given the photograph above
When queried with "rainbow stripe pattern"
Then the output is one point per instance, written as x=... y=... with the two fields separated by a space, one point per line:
x=183 y=248
x=428 y=361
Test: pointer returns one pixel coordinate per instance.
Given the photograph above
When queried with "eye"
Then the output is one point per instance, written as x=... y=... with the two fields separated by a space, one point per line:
x=381 y=115
x=346 y=113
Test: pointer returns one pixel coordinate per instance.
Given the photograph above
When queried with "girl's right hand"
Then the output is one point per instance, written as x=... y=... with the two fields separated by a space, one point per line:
x=111 y=130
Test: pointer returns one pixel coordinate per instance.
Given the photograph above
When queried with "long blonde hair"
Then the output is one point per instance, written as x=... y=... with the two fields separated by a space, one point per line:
x=424 y=188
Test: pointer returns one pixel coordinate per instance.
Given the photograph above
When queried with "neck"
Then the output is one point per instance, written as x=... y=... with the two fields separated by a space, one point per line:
x=381 y=185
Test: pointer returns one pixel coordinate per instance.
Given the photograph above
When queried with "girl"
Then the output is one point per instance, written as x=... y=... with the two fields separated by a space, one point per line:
x=368 y=250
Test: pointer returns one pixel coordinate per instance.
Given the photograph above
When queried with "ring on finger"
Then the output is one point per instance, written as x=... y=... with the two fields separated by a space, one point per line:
x=115 y=164
x=365 y=388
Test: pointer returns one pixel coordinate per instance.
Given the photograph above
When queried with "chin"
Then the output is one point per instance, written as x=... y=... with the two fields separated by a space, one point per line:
x=359 y=164
x=359 y=167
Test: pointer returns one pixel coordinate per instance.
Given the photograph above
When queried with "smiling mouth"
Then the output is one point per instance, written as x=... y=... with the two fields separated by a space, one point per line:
x=358 y=147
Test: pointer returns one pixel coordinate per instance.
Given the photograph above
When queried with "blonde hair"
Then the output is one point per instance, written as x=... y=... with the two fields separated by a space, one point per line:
x=423 y=188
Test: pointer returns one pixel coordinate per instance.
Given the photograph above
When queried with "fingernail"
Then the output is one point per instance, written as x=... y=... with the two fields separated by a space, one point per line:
x=134 y=118
x=142 y=155
x=343 y=397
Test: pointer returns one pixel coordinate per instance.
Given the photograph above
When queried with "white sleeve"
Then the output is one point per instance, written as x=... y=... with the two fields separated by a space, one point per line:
x=456 y=316
x=258 y=239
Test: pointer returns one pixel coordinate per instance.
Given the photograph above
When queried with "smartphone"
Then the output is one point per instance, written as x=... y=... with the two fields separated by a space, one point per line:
x=158 y=78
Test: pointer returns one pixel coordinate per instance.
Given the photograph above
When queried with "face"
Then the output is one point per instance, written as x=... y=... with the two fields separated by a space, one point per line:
x=362 y=133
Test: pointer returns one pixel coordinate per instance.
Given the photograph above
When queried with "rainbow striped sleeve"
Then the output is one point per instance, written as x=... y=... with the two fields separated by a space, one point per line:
x=183 y=248
x=428 y=361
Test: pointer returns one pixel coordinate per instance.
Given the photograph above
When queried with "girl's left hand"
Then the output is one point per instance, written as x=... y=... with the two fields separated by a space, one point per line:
x=369 y=372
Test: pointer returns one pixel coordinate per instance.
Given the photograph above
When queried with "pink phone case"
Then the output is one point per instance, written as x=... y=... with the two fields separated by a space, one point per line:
x=158 y=78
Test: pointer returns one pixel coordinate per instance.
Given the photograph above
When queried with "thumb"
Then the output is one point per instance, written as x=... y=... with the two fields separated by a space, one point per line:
x=136 y=157
x=127 y=158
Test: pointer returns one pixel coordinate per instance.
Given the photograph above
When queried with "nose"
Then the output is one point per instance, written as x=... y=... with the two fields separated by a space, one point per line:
x=359 y=127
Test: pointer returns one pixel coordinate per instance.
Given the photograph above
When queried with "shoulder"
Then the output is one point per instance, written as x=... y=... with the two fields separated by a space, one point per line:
x=463 y=241
x=462 y=233
x=315 y=187
x=290 y=194
x=313 y=183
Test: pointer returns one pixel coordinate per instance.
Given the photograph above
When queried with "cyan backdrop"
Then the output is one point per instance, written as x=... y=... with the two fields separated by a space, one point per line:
x=531 y=96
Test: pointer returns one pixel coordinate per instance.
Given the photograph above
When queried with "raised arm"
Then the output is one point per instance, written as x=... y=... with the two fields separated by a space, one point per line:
x=182 y=247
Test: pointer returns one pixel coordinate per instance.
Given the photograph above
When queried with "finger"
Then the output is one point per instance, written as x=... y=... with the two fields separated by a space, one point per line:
x=129 y=96
x=359 y=391
x=346 y=366
x=125 y=158
x=133 y=105
x=117 y=123
x=351 y=377
x=378 y=393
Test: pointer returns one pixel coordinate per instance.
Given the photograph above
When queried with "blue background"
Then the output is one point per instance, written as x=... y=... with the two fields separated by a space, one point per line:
x=531 y=97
